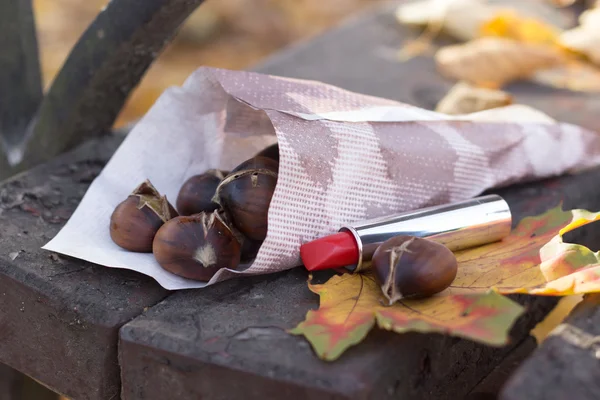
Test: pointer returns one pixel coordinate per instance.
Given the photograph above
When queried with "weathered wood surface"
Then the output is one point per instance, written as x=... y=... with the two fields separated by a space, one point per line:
x=567 y=364
x=490 y=386
x=16 y=386
x=60 y=317
x=236 y=330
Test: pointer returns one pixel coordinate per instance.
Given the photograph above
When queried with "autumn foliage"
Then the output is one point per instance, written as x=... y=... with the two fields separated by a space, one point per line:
x=533 y=259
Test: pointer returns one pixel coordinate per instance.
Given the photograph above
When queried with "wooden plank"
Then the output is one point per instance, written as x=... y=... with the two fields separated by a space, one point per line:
x=567 y=364
x=490 y=386
x=16 y=386
x=60 y=316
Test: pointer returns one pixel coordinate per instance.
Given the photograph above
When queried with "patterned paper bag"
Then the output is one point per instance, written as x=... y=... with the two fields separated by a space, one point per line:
x=343 y=157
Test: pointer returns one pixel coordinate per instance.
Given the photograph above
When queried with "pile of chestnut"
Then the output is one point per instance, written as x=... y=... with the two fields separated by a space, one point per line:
x=220 y=220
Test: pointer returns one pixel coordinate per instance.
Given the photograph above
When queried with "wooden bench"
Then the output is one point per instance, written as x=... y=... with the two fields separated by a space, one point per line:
x=90 y=332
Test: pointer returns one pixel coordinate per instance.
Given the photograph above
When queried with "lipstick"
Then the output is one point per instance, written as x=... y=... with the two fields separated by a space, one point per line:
x=458 y=226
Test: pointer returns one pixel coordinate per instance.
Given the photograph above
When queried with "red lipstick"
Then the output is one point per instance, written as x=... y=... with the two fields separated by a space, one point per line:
x=330 y=252
x=458 y=226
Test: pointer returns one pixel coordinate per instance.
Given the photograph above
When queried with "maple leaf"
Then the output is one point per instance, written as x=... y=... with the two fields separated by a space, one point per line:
x=495 y=61
x=575 y=76
x=351 y=304
x=532 y=259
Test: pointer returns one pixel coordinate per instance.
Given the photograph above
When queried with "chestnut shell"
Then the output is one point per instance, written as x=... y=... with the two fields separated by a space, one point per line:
x=271 y=152
x=245 y=195
x=407 y=266
x=196 y=246
x=195 y=195
x=135 y=221
x=257 y=163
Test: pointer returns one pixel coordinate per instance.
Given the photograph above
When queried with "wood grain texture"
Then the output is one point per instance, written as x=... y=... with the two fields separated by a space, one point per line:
x=567 y=364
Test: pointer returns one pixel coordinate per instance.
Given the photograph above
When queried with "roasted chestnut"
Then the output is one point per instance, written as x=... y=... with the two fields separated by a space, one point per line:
x=249 y=249
x=135 y=221
x=196 y=193
x=256 y=163
x=245 y=195
x=407 y=266
x=271 y=152
x=196 y=246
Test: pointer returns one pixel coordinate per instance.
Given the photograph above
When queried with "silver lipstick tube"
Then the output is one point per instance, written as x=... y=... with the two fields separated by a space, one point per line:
x=458 y=226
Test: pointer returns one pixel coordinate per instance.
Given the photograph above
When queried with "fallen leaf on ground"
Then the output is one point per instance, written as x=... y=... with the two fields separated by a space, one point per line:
x=464 y=98
x=576 y=76
x=493 y=62
x=352 y=304
x=511 y=25
x=585 y=38
x=532 y=259
x=460 y=19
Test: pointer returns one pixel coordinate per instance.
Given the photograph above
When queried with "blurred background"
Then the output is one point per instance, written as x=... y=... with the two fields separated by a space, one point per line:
x=221 y=33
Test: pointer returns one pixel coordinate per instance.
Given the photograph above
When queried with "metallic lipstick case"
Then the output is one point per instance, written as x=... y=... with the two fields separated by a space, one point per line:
x=458 y=226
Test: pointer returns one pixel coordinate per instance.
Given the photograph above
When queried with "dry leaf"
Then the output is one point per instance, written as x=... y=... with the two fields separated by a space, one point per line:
x=465 y=99
x=511 y=25
x=574 y=75
x=532 y=259
x=351 y=304
x=461 y=19
x=585 y=39
x=493 y=62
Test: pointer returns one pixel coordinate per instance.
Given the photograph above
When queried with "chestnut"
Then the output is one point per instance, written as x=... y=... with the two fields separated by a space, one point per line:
x=271 y=152
x=245 y=195
x=257 y=162
x=408 y=266
x=196 y=246
x=249 y=249
x=135 y=221
x=196 y=193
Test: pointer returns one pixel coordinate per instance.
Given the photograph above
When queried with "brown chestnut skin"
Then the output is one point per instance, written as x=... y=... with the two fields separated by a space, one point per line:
x=195 y=195
x=245 y=195
x=258 y=162
x=250 y=249
x=196 y=246
x=271 y=152
x=135 y=221
x=411 y=267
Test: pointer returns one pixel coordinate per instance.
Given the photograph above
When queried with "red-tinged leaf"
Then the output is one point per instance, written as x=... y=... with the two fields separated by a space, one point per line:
x=534 y=259
x=350 y=305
